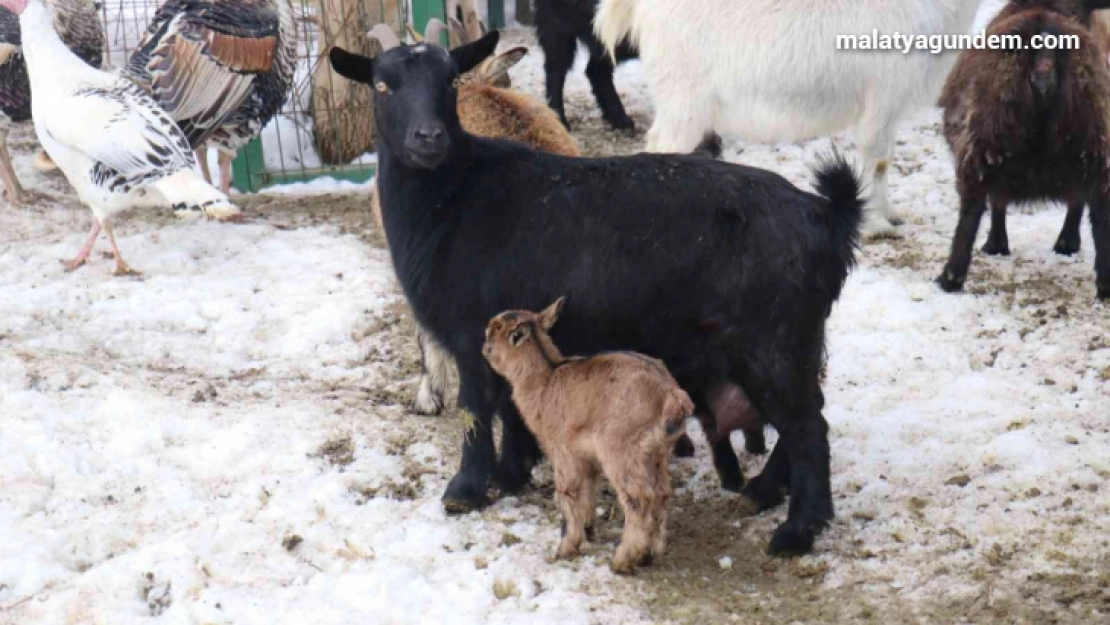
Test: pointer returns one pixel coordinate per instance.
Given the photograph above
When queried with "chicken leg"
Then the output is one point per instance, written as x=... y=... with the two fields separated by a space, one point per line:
x=225 y=172
x=7 y=173
x=202 y=158
x=86 y=249
x=122 y=268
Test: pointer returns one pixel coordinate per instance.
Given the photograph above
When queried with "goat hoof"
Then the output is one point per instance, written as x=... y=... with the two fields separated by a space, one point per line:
x=880 y=228
x=427 y=402
x=733 y=483
x=990 y=248
x=1066 y=248
x=647 y=559
x=621 y=567
x=790 y=540
x=622 y=123
x=1104 y=293
x=950 y=283
x=684 y=447
x=464 y=495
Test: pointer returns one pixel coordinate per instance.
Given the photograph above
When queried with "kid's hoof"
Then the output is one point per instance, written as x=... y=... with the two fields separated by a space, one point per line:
x=513 y=476
x=621 y=567
x=749 y=507
x=684 y=447
x=647 y=560
x=880 y=228
x=950 y=283
x=733 y=484
x=1104 y=293
x=755 y=443
x=789 y=540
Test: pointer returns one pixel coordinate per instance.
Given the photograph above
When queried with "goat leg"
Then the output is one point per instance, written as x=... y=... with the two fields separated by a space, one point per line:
x=998 y=242
x=599 y=71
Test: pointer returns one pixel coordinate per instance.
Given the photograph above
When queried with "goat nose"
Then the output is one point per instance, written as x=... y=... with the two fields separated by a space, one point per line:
x=429 y=132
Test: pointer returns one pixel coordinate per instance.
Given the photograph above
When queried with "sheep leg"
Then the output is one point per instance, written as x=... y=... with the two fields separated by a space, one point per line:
x=876 y=140
x=1100 y=232
x=998 y=242
x=468 y=490
x=519 y=450
x=7 y=173
x=433 y=374
x=677 y=129
x=600 y=73
x=959 y=260
x=1069 y=240
x=558 y=57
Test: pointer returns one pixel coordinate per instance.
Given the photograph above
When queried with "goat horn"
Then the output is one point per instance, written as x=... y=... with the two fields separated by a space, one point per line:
x=483 y=28
x=458 y=31
x=433 y=30
x=416 y=38
x=385 y=36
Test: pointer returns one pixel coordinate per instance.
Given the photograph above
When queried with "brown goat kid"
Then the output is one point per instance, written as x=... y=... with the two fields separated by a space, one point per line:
x=618 y=413
x=1031 y=125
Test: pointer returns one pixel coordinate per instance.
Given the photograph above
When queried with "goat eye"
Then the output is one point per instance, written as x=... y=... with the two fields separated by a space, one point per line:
x=455 y=83
x=381 y=87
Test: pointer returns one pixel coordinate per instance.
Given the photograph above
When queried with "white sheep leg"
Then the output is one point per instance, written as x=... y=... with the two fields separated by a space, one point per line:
x=677 y=129
x=876 y=141
x=433 y=378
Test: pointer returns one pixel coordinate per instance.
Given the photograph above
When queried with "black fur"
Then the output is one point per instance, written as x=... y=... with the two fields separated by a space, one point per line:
x=560 y=25
x=646 y=248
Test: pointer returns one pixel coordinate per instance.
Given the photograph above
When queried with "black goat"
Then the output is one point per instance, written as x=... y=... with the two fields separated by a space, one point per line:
x=726 y=273
x=1027 y=125
x=560 y=24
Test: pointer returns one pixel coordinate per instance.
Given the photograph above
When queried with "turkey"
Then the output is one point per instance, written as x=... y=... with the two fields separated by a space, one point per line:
x=114 y=144
x=221 y=68
x=77 y=23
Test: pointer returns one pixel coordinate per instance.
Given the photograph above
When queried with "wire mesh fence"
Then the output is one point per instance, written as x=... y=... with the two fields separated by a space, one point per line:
x=326 y=126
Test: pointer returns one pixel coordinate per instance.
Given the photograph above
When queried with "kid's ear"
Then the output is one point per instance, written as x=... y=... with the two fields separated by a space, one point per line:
x=351 y=66
x=468 y=56
x=551 y=314
x=517 y=336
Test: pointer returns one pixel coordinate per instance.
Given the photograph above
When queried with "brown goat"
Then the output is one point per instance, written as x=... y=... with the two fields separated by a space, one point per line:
x=1029 y=125
x=618 y=413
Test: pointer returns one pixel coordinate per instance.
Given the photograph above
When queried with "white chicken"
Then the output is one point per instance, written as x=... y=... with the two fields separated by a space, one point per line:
x=114 y=144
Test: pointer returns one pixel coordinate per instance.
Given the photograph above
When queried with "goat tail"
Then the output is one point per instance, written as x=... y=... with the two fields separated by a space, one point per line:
x=839 y=183
x=677 y=408
x=614 y=22
x=711 y=146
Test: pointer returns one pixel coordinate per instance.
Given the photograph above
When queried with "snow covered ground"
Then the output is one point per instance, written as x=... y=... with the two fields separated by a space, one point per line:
x=227 y=440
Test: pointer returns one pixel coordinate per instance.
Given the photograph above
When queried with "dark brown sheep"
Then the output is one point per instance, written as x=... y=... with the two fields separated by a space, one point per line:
x=1030 y=125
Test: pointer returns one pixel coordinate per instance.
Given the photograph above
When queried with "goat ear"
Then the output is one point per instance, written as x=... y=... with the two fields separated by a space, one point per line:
x=517 y=336
x=551 y=314
x=500 y=64
x=351 y=66
x=468 y=56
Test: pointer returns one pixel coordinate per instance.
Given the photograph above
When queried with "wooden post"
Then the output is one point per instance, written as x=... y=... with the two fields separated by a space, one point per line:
x=496 y=14
x=342 y=110
x=524 y=12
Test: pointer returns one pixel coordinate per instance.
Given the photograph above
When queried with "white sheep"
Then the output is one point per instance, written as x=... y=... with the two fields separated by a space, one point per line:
x=770 y=70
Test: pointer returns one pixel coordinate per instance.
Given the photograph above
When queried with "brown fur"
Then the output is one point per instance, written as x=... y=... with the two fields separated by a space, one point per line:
x=1100 y=29
x=616 y=413
x=1026 y=126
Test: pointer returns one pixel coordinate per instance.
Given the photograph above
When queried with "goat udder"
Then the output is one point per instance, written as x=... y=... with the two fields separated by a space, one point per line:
x=732 y=410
